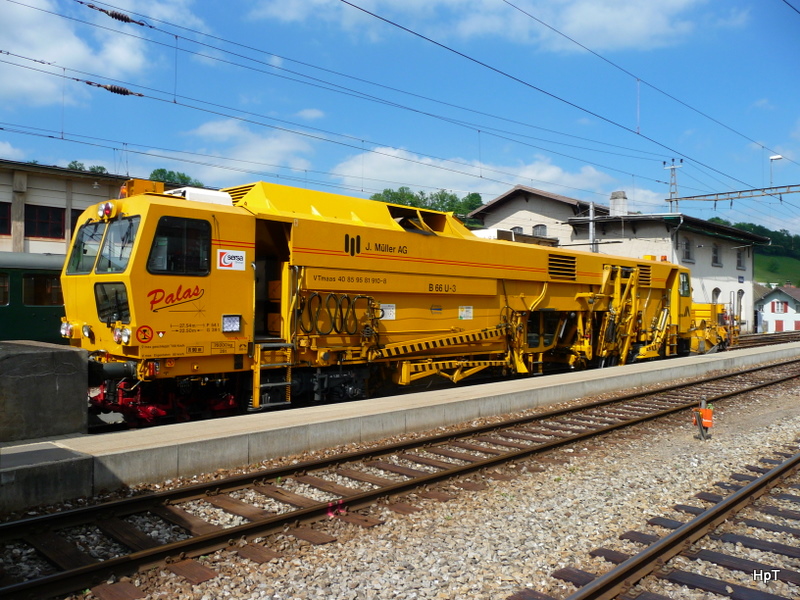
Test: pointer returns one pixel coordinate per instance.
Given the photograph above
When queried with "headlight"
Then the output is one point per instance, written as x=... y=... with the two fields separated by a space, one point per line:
x=231 y=323
x=86 y=330
x=66 y=329
x=122 y=335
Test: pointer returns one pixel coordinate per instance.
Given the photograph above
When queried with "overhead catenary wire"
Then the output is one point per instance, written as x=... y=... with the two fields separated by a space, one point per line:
x=510 y=136
x=484 y=129
x=531 y=86
x=336 y=88
x=638 y=78
x=794 y=8
x=476 y=126
x=657 y=156
x=354 y=143
x=300 y=176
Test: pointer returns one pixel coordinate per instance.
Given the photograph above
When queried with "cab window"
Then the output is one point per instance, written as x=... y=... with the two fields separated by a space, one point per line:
x=87 y=245
x=117 y=246
x=180 y=247
x=684 y=288
x=112 y=302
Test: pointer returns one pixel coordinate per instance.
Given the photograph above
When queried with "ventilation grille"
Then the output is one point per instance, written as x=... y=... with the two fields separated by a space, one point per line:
x=644 y=275
x=561 y=267
x=237 y=193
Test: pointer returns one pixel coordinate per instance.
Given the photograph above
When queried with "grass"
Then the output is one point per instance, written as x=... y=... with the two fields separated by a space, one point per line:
x=777 y=269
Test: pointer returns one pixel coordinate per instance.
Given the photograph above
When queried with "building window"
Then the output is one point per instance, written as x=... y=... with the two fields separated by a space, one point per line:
x=738 y=308
x=73 y=219
x=5 y=218
x=687 y=250
x=44 y=221
x=540 y=230
x=780 y=306
x=716 y=256
x=41 y=290
x=516 y=230
x=740 y=259
x=4 y=289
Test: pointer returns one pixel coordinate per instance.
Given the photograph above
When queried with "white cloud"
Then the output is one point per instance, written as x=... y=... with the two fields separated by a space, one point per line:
x=256 y=154
x=290 y=11
x=392 y=168
x=9 y=152
x=599 y=24
x=616 y=24
x=645 y=201
x=310 y=114
x=35 y=35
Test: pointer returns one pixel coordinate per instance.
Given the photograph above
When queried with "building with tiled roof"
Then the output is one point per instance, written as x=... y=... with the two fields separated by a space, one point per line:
x=719 y=256
x=779 y=309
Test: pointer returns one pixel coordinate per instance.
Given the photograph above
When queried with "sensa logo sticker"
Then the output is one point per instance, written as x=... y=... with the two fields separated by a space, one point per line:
x=230 y=260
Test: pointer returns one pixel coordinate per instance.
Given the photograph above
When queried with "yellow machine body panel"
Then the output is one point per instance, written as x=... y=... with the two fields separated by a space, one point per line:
x=304 y=291
x=182 y=277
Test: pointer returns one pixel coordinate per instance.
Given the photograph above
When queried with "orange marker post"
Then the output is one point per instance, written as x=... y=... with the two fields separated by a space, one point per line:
x=703 y=419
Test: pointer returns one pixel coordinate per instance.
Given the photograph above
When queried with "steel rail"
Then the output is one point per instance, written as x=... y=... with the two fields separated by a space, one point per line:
x=69 y=580
x=626 y=575
x=12 y=529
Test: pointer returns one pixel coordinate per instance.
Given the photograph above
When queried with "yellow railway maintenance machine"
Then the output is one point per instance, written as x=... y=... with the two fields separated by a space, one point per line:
x=196 y=302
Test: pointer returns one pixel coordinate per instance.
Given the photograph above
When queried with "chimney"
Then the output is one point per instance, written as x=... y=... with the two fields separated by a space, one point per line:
x=619 y=204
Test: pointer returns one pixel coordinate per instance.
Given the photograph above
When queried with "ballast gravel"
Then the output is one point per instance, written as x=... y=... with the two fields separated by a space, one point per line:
x=513 y=535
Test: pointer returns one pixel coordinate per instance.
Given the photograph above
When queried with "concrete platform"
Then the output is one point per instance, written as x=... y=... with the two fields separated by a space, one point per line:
x=38 y=380
x=56 y=469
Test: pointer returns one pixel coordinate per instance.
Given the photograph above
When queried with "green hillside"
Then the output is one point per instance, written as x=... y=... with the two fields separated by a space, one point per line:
x=777 y=269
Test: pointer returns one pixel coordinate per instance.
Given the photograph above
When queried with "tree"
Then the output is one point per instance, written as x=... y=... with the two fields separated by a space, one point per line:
x=174 y=177
x=471 y=202
x=720 y=221
x=402 y=195
x=440 y=200
x=77 y=165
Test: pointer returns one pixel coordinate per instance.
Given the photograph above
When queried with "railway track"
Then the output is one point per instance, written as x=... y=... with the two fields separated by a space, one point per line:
x=754 y=340
x=773 y=482
x=286 y=500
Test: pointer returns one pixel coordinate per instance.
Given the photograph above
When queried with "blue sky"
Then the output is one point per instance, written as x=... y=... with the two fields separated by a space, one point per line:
x=576 y=97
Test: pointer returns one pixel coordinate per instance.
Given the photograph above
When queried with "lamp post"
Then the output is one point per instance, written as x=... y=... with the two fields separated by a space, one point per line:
x=772 y=159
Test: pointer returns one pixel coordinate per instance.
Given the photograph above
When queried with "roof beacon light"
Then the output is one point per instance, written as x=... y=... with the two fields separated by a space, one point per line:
x=106 y=210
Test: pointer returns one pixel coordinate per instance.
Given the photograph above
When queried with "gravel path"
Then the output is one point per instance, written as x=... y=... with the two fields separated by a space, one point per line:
x=514 y=534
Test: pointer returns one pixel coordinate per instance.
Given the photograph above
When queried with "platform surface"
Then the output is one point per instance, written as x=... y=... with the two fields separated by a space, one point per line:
x=52 y=470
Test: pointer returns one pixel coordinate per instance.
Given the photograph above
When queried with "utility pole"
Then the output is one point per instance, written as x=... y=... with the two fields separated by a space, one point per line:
x=673 y=183
x=592 y=237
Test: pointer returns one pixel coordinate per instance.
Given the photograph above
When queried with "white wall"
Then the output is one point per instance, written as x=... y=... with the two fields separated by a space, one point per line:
x=652 y=238
x=56 y=190
x=519 y=213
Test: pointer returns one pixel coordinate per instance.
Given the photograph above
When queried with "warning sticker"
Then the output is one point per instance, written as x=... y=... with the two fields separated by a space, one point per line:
x=144 y=334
